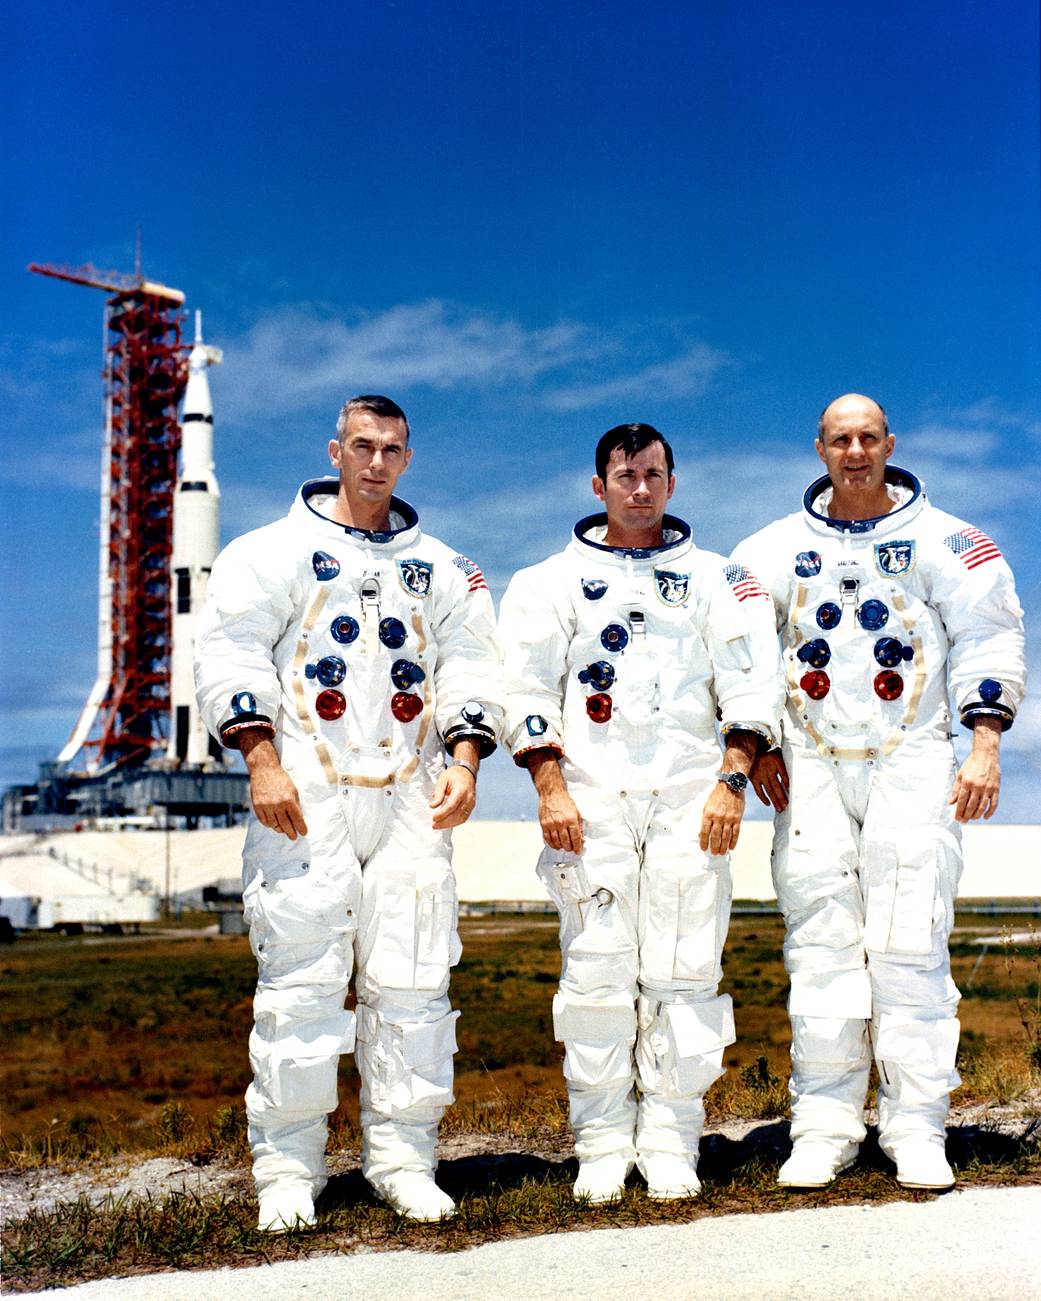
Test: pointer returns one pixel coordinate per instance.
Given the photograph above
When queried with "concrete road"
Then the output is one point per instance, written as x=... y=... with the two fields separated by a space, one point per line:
x=981 y=1244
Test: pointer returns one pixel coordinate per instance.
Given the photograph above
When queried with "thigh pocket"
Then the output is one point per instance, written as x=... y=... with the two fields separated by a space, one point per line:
x=826 y=929
x=906 y=911
x=437 y=935
x=412 y=941
x=565 y=879
x=682 y=917
x=290 y=905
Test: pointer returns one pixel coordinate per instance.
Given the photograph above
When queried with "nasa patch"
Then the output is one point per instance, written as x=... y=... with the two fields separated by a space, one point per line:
x=807 y=564
x=415 y=576
x=325 y=566
x=895 y=557
x=243 y=702
x=536 y=725
x=672 y=588
x=593 y=588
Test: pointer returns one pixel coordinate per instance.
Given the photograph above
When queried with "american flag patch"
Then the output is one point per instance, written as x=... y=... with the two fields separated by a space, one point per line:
x=974 y=547
x=744 y=583
x=474 y=577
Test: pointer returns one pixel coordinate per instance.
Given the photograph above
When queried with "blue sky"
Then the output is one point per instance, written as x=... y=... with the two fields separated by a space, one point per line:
x=527 y=223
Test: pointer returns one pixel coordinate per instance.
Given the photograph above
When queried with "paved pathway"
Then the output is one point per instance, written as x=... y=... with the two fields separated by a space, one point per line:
x=981 y=1244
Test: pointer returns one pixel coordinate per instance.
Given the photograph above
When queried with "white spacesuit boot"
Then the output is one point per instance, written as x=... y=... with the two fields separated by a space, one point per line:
x=603 y=1120
x=670 y=1175
x=830 y=1064
x=679 y=1055
x=285 y=1207
x=915 y=1057
x=602 y=1104
x=399 y=1162
x=406 y=1083
x=288 y=1167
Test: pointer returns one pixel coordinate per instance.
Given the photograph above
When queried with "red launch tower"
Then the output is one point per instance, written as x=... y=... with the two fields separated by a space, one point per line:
x=125 y=720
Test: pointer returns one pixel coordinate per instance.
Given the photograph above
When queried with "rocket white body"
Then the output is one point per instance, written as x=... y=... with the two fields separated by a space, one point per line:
x=196 y=541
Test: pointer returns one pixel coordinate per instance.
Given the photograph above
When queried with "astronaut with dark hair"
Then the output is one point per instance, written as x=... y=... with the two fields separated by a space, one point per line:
x=619 y=651
x=344 y=652
x=889 y=611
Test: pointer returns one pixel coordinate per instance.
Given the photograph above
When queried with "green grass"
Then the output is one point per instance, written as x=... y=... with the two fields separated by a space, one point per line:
x=516 y=1196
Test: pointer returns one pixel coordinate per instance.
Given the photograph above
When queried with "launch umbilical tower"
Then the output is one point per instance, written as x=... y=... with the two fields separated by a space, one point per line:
x=125 y=720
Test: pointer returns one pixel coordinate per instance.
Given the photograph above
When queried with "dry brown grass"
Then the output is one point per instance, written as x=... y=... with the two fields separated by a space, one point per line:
x=140 y=1045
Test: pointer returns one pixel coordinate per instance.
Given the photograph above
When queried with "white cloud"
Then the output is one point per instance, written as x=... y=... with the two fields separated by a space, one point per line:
x=68 y=461
x=299 y=354
x=970 y=460
x=685 y=376
x=302 y=356
x=512 y=527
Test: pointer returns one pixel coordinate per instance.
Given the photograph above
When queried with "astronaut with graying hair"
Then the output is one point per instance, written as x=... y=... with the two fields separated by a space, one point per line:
x=618 y=652
x=345 y=653
x=890 y=612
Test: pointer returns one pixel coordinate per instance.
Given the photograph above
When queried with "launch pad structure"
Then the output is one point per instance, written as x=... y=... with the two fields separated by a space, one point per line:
x=140 y=741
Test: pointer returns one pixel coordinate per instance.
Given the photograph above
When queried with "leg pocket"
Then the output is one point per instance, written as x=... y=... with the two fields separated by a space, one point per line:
x=683 y=920
x=295 y=1062
x=437 y=936
x=566 y=883
x=825 y=993
x=405 y=1067
x=410 y=940
x=680 y=1046
x=906 y=911
x=301 y=924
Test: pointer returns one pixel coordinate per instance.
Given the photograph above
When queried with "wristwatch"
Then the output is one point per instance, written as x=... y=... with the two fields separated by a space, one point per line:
x=737 y=781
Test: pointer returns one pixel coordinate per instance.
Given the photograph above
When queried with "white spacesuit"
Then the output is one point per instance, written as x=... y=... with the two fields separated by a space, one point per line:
x=618 y=661
x=882 y=622
x=364 y=655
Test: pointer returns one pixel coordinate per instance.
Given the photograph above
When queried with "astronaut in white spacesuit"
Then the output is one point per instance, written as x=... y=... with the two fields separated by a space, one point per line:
x=344 y=652
x=889 y=610
x=619 y=651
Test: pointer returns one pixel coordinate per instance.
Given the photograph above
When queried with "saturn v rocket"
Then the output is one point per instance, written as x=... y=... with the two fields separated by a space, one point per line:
x=196 y=541
x=158 y=538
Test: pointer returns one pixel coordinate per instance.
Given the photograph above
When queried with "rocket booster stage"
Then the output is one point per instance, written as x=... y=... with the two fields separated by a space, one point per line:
x=196 y=541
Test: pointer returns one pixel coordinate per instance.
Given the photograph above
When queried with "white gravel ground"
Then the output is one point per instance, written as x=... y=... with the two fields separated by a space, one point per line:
x=982 y=1244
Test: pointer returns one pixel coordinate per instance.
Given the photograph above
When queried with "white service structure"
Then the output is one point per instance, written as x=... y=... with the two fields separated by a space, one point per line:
x=196 y=541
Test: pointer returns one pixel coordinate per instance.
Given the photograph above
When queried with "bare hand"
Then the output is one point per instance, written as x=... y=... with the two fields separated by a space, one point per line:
x=721 y=821
x=561 y=821
x=769 y=779
x=975 y=789
x=454 y=797
x=276 y=801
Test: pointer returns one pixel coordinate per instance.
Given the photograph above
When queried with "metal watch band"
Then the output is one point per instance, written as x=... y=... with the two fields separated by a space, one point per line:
x=462 y=763
x=737 y=781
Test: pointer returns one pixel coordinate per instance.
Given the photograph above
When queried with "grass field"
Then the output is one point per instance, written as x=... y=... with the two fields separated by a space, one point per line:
x=138 y=1045
x=135 y=1044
